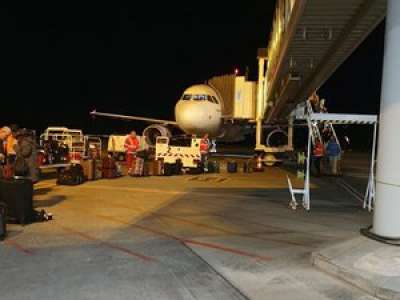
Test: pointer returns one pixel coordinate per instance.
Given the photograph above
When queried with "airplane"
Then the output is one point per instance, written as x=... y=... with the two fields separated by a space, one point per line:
x=199 y=111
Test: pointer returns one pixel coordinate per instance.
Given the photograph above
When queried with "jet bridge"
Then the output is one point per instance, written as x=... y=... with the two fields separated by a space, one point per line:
x=310 y=39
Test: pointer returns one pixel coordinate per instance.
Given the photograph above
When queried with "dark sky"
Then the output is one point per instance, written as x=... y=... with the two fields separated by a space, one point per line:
x=61 y=62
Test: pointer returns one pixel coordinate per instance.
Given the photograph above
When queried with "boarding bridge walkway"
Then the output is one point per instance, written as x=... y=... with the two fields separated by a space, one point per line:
x=310 y=39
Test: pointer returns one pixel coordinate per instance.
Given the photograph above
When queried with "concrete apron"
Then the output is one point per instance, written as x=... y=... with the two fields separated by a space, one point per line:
x=369 y=265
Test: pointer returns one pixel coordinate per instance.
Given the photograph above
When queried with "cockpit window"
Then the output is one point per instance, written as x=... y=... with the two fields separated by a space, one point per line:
x=186 y=97
x=215 y=100
x=199 y=97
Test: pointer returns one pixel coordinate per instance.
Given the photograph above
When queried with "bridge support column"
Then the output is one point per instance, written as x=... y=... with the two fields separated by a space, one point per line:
x=386 y=222
x=260 y=97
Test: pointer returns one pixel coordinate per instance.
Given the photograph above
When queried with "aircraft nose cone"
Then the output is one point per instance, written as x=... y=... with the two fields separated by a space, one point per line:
x=193 y=117
x=190 y=115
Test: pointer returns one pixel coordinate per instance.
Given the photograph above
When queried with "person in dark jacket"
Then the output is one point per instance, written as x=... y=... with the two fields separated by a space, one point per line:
x=26 y=150
x=333 y=151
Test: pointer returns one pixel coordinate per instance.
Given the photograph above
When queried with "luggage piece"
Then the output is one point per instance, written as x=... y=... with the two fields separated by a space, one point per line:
x=71 y=176
x=149 y=168
x=232 y=166
x=139 y=166
x=109 y=168
x=108 y=163
x=110 y=173
x=88 y=169
x=213 y=167
x=158 y=167
x=248 y=166
x=178 y=167
x=17 y=194
x=169 y=169
x=98 y=169
x=3 y=223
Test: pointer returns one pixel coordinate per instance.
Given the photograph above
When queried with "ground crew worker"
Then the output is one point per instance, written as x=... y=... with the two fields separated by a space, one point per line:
x=333 y=150
x=318 y=154
x=11 y=143
x=131 y=147
x=204 y=149
x=4 y=133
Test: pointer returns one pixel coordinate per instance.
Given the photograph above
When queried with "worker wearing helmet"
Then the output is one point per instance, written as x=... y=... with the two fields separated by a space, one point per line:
x=131 y=147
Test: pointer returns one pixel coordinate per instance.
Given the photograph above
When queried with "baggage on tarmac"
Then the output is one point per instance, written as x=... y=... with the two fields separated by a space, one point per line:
x=109 y=168
x=98 y=169
x=3 y=223
x=158 y=167
x=71 y=176
x=232 y=166
x=17 y=194
x=109 y=173
x=248 y=166
x=88 y=166
x=108 y=163
x=149 y=168
x=139 y=166
x=213 y=166
x=169 y=169
x=178 y=167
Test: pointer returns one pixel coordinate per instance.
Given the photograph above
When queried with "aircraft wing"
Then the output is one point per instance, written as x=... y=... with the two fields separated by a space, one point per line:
x=132 y=118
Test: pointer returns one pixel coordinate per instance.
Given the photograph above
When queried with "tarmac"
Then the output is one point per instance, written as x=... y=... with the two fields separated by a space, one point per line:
x=209 y=236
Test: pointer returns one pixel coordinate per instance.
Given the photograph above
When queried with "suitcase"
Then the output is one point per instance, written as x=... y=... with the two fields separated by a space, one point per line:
x=71 y=176
x=232 y=166
x=213 y=167
x=169 y=169
x=158 y=167
x=109 y=173
x=17 y=194
x=88 y=169
x=178 y=167
x=108 y=163
x=98 y=169
x=248 y=166
x=149 y=168
x=3 y=223
x=139 y=166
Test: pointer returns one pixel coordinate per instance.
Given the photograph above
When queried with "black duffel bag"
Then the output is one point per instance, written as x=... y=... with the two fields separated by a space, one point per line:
x=71 y=176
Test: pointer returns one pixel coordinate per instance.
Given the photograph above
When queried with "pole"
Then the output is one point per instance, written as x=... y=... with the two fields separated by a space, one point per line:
x=386 y=221
x=306 y=196
x=260 y=101
x=290 y=132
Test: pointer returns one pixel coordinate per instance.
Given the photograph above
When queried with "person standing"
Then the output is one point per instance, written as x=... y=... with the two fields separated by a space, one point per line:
x=333 y=151
x=131 y=147
x=4 y=133
x=318 y=153
x=204 y=150
x=26 y=155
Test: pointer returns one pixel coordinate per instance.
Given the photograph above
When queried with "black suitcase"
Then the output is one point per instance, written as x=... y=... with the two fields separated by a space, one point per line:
x=247 y=166
x=169 y=169
x=3 y=223
x=213 y=167
x=17 y=194
x=232 y=166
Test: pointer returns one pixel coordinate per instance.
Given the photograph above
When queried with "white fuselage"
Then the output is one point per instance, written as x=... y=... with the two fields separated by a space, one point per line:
x=199 y=111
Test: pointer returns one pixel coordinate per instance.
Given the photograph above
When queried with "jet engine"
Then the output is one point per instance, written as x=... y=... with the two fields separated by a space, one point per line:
x=153 y=131
x=277 y=138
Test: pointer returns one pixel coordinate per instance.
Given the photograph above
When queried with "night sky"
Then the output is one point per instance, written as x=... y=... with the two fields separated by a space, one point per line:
x=58 y=63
